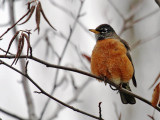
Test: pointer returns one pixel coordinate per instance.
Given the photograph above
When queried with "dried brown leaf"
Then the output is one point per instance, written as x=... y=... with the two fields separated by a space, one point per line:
x=20 y=48
x=155 y=81
x=38 y=10
x=28 y=43
x=155 y=95
x=30 y=15
x=152 y=118
x=87 y=57
x=43 y=14
x=12 y=41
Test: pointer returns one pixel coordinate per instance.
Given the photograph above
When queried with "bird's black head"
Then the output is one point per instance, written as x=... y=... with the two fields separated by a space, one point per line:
x=104 y=31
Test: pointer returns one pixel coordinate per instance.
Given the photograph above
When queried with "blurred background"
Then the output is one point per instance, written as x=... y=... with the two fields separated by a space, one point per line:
x=136 y=21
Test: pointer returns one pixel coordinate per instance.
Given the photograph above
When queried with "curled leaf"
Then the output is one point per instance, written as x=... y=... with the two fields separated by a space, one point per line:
x=20 y=48
x=12 y=41
x=28 y=43
x=157 y=78
x=152 y=118
x=30 y=15
x=87 y=57
x=46 y=17
x=155 y=95
x=38 y=9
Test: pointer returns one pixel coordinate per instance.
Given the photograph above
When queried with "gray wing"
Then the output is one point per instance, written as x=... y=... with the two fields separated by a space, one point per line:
x=129 y=56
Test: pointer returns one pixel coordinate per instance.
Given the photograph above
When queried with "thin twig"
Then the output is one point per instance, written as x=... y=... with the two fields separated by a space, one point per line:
x=71 y=101
x=100 y=111
x=15 y=24
x=146 y=39
x=12 y=114
x=116 y=9
x=27 y=91
x=61 y=57
x=45 y=93
x=87 y=74
x=71 y=15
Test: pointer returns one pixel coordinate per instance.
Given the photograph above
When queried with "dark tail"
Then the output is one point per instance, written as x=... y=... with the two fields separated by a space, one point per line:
x=127 y=99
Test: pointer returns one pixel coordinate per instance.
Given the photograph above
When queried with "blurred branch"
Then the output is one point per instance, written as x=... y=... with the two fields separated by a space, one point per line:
x=27 y=92
x=71 y=15
x=45 y=93
x=116 y=111
x=158 y=2
x=11 y=114
x=128 y=22
x=146 y=16
x=84 y=73
x=71 y=101
x=61 y=57
x=144 y=40
x=5 y=24
x=157 y=78
x=116 y=9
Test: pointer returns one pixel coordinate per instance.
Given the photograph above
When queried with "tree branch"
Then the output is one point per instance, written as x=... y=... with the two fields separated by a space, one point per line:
x=62 y=55
x=27 y=92
x=45 y=93
x=12 y=115
x=87 y=74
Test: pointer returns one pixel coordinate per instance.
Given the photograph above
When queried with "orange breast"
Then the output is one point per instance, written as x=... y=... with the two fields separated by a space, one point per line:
x=109 y=59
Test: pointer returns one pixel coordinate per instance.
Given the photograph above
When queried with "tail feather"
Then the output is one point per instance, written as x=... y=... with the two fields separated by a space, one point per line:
x=125 y=98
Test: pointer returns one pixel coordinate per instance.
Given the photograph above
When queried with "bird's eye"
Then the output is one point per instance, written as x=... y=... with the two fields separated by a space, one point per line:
x=103 y=30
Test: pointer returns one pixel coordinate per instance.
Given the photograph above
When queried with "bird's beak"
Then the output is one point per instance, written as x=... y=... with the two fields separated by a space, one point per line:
x=94 y=31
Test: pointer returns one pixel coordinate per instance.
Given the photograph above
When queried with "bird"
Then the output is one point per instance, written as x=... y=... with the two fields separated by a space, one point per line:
x=111 y=59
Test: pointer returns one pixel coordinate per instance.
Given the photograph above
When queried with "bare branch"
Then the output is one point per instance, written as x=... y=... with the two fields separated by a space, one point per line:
x=15 y=24
x=61 y=57
x=87 y=74
x=12 y=114
x=116 y=9
x=158 y=2
x=27 y=92
x=71 y=101
x=45 y=93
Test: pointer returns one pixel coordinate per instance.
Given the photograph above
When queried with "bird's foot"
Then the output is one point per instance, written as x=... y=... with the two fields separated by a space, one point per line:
x=113 y=88
x=103 y=78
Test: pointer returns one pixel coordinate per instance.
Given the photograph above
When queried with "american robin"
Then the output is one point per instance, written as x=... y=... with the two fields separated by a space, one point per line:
x=111 y=59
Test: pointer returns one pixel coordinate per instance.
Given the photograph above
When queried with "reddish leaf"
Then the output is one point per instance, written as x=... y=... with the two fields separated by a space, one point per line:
x=45 y=17
x=155 y=81
x=152 y=118
x=155 y=96
x=13 y=38
x=38 y=10
x=87 y=57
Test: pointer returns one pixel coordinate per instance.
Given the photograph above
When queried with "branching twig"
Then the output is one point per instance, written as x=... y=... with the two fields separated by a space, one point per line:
x=61 y=57
x=71 y=101
x=144 y=40
x=71 y=15
x=15 y=23
x=45 y=93
x=27 y=92
x=87 y=74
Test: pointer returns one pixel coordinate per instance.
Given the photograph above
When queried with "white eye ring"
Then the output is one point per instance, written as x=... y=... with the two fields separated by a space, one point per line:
x=104 y=30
